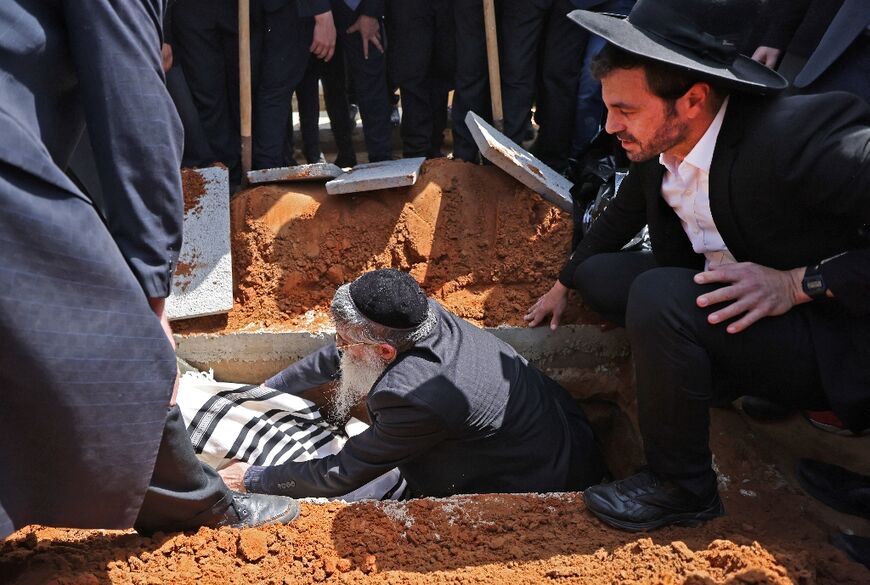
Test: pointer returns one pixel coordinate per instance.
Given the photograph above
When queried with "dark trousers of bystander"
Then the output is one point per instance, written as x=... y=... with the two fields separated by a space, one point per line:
x=684 y=364
x=471 y=79
x=284 y=60
x=370 y=82
x=206 y=45
x=541 y=57
x=422 y=59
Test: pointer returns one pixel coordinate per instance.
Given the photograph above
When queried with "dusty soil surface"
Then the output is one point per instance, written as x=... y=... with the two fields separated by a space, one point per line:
x=766 y=537
x=477 y=240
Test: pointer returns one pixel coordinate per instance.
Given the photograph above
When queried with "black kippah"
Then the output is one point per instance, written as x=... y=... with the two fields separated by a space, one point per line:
x=390 y=297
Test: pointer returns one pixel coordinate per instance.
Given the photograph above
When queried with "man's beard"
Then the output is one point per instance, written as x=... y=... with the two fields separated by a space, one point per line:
x=356 y=378
x=671 y=132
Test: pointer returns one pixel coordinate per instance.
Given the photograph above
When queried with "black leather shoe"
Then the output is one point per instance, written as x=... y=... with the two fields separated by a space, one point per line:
x=345 y=160
x=760 y=408
x=839 y=488
x=857 y=547
x=645 y=502
x=250 y=510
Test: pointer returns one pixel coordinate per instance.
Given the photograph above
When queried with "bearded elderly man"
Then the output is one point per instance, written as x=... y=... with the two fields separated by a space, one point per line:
x=456 y=409
x=759 y=278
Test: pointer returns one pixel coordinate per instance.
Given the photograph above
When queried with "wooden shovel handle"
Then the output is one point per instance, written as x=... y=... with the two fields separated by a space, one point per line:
x=492 y=62
x=245 y=84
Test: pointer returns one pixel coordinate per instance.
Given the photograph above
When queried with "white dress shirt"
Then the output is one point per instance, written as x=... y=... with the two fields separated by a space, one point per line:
x=686 y=188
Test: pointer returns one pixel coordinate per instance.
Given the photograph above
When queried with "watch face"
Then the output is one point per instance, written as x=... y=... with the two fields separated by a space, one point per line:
x=814 y=285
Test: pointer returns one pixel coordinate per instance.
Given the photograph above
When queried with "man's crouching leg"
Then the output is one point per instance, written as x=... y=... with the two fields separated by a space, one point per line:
x=673 y=394
x=683 y=363
x=185 y=494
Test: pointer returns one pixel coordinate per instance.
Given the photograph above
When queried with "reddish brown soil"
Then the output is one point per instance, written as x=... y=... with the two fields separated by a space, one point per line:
x=193 y=186
x=767 y=536
x=482 y=244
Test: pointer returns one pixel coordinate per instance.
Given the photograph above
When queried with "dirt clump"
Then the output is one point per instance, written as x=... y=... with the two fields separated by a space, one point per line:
x=193 y=186
x=475 y=239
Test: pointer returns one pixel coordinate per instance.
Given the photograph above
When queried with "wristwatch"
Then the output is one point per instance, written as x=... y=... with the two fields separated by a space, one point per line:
x=813 y=283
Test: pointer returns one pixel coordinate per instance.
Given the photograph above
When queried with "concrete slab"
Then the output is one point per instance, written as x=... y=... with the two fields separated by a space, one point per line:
x=299 y=173
x=518 y=163
x=203 y=282
x=380 y=175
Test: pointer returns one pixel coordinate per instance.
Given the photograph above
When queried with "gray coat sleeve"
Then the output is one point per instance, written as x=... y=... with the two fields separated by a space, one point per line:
x=134 y=130
x=313 y=370
x=401 y=429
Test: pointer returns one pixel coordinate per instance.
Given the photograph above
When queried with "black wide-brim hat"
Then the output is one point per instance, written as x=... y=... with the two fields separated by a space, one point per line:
x=697 y=35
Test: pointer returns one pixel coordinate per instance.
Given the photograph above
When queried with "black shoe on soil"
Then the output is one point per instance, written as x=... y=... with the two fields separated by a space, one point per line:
x=857 y=547
x=645 y=502
x=759 y=408
x=250 y=510
x=834 y=486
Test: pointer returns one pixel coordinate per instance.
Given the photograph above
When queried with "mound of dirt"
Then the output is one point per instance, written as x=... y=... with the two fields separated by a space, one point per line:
x=767 y=536
x=475 y=239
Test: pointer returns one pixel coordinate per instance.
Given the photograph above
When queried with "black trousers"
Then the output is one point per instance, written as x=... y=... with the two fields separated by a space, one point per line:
x=184 y=493
x=308 y=100
x=471 y=78
x=684 y=364
x=541 y=59
x=283 y=62
x=370 y=82
x=206 y=45
x=422 y=59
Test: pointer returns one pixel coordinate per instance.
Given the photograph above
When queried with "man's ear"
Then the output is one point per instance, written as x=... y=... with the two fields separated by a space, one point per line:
x=696 y=100
x=386 y=352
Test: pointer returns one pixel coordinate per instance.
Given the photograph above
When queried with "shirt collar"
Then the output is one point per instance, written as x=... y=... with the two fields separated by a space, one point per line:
x=701 y=155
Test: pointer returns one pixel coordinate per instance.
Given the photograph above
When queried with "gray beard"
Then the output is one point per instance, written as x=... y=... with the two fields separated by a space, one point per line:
x=356 y=378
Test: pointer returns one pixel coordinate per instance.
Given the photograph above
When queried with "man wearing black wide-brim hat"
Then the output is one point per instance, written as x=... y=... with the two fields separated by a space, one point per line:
x=758 y=281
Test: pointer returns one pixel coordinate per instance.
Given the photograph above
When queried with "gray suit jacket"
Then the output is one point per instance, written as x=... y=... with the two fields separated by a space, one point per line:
x=68 y=63
x=461 y=412
x=85 y=369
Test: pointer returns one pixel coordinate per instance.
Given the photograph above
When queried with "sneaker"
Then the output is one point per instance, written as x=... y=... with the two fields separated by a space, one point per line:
x=646 y=502
x=826 y=420
x=251 y=510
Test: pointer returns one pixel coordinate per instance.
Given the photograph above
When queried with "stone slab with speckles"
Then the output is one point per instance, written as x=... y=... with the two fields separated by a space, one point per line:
x=518 y=163
x=298 y=173
x=203 y=280
x=380 y=175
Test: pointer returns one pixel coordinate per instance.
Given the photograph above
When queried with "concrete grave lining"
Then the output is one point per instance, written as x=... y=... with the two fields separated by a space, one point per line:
x=251 y=357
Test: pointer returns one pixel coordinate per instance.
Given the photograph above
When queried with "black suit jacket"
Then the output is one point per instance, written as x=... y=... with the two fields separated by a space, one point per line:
x=461 y=412
x=789 y=187
x=850 y=21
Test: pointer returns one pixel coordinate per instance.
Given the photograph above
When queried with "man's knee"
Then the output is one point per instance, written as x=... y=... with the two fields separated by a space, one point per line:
x=661 y=296
x=593 y=281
